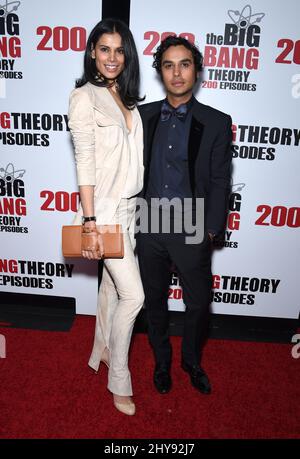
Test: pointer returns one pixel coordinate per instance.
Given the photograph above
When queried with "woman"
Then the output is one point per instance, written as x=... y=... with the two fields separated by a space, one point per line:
x=107 y=133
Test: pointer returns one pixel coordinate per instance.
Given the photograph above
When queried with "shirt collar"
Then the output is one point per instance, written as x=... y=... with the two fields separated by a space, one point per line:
x=189 y=104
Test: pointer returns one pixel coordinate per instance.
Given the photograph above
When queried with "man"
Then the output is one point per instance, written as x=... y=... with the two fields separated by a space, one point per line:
x=187 y=156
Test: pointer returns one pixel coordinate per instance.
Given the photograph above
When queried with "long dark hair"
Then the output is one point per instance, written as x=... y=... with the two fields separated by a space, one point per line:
x=129 y=79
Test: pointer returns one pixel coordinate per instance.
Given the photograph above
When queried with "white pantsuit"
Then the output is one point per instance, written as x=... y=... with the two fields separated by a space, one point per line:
x=120 y=298
x=110 y=158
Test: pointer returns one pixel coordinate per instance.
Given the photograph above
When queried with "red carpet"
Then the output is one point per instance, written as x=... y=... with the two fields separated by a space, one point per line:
x=47 y=390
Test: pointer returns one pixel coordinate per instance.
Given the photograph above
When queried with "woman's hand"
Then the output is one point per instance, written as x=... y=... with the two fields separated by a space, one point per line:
x=92 y=242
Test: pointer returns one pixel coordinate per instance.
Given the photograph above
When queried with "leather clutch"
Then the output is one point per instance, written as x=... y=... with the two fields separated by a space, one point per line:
x=74 y=240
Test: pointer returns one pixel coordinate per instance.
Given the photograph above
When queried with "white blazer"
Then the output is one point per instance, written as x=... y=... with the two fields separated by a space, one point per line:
x=102 y=149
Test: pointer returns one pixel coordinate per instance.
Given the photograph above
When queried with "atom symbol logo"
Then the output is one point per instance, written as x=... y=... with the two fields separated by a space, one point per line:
x=9 y=7
x=10 y=174
x=236 y=187
x=244 y=19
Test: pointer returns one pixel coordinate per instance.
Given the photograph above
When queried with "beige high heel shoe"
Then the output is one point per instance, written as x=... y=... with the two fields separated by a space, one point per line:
x=126 y=408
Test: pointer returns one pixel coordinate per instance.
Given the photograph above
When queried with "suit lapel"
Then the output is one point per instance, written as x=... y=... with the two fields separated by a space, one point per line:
x=151 y=127
x=149 y=132
x=194 y=143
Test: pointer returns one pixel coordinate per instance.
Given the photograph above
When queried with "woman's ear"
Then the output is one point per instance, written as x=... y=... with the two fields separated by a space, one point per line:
x=93 y=56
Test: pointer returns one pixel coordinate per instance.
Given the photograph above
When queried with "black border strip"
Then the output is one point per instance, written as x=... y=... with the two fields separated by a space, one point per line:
x=116 y=9
x=233 y=327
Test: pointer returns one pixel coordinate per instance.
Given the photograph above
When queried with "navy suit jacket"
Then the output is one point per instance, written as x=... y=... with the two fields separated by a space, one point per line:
x=209 y=157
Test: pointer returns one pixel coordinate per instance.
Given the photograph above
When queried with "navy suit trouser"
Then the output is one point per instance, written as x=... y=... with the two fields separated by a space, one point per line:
x=156 y=254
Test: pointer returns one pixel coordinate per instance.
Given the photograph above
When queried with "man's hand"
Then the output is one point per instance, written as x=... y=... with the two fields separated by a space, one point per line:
x=211 y=236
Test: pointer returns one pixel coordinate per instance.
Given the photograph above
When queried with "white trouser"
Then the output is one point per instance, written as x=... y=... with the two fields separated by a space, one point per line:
x=120 y=298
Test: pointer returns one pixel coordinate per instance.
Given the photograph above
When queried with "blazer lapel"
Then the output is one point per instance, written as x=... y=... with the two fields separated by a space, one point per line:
x=195 y=137
x=105 y=104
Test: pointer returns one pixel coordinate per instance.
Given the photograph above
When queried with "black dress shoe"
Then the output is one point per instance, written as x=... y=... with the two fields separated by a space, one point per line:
x=199 y=378
x=162 y=379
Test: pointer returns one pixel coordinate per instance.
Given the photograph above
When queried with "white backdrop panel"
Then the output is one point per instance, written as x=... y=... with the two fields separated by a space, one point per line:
x=257 y=274
x=53 y=35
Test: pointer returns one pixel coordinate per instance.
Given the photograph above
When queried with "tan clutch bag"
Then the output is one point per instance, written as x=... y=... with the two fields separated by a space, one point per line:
x=74 y=240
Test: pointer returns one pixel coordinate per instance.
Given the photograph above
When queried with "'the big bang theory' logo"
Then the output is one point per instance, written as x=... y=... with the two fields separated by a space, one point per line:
x=39 y=125
x=228 y=238
x=230 y=58
x=12 y=199
x=10 y=43
x=241 y=290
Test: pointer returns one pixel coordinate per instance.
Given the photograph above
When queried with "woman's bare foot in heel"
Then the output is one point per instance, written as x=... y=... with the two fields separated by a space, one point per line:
x=124 y=404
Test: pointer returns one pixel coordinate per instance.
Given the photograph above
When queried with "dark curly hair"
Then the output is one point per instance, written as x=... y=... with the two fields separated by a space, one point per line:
x=176 y=41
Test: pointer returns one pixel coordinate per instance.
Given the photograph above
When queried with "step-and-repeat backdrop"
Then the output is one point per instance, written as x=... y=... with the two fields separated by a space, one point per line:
x=41 y=47
x=252 y=71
